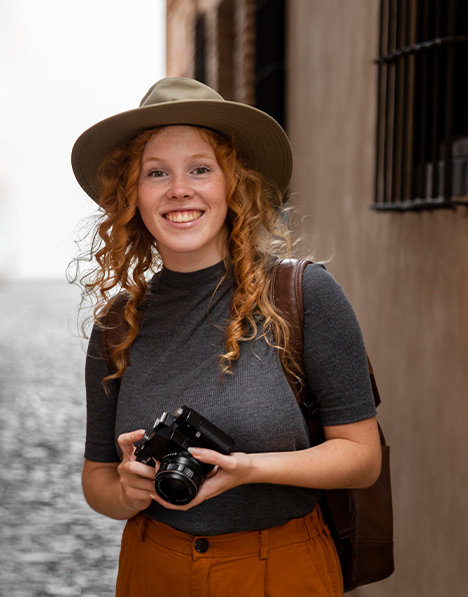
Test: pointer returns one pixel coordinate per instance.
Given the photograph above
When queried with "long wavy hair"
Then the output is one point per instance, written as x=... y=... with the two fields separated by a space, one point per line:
x=126 y=253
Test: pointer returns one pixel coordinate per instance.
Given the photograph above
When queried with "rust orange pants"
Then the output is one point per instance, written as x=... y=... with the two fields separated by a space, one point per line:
x=297 y=559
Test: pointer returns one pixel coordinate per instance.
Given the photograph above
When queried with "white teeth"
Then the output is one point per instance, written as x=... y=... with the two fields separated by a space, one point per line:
x=183 y=216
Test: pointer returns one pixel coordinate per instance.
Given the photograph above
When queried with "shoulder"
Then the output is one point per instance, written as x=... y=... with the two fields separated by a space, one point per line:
x=316 y=273
x=114 y=307
x=324 y=299
x=319 y=285
x=109 y=326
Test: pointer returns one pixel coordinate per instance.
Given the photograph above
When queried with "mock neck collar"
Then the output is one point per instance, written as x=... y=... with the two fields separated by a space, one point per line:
x=202 y=277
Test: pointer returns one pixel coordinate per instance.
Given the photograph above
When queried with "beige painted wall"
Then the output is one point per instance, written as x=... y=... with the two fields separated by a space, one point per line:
x=407 y=277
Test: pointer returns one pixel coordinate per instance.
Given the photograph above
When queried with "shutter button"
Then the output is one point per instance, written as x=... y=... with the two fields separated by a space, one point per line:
x=201 y=545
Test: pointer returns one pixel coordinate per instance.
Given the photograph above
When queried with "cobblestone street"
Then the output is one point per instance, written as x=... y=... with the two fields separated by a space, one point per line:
x=51 y=542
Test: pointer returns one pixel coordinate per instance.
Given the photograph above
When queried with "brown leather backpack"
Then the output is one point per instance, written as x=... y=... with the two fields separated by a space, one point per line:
x=360 y=520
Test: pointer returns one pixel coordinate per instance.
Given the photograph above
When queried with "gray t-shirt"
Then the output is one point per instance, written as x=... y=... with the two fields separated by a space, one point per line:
x=175 y=361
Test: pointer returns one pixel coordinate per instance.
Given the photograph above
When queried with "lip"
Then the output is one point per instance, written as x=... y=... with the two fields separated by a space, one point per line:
x=183 y=216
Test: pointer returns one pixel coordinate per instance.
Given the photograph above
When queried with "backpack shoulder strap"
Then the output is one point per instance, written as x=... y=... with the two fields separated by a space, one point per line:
x=287 y=295
x=114 y=327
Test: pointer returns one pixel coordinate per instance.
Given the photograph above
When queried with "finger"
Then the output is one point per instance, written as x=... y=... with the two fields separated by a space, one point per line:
x=137 y=480
x=133 y=467
x=126 y=441
x=212 y=457
x=155 y=497
x=139 y=492
x=138 y=488
x=213 y=472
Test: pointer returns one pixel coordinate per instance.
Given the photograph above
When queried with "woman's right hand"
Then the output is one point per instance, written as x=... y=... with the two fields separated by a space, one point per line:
x=136 y=478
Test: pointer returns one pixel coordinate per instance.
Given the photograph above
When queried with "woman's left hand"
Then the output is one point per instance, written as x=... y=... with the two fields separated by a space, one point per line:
x=350 y=457
x=230 y=471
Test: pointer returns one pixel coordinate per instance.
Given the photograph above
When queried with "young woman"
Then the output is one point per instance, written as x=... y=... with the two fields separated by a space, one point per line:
x=190 y=187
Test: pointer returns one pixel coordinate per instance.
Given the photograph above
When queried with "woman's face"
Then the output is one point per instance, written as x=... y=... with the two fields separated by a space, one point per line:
x=182 y=198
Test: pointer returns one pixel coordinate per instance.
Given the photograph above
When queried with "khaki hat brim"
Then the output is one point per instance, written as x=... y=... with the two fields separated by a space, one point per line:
x=262 y=142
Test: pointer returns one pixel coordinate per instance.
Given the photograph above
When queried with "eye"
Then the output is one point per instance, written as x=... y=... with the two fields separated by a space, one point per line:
x=200 y=170
x=156 y=173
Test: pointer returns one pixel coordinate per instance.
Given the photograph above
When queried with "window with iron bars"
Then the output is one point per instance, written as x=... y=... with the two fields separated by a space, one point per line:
x=200 y=48
x=269 y=57
x=422 y=114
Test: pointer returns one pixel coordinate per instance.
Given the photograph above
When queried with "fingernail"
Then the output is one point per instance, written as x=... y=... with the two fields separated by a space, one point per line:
x=194 y=451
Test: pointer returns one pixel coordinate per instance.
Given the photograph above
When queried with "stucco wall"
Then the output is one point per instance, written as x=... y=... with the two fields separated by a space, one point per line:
x=407 y=277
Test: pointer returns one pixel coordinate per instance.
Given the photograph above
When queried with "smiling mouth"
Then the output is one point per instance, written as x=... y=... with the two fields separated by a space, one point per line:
x=184 y=216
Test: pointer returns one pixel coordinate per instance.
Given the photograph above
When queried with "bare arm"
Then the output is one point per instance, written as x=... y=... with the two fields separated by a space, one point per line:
x=119 y=490
x=350 y=457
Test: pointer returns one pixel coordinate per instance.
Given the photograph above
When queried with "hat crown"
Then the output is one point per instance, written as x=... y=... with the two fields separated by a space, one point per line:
x=173 y=89
x=262 y=143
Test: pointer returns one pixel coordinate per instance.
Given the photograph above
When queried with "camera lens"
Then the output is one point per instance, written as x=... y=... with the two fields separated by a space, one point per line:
x=179 y=478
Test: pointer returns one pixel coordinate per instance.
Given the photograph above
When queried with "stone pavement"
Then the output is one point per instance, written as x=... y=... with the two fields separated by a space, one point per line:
x=51 y=542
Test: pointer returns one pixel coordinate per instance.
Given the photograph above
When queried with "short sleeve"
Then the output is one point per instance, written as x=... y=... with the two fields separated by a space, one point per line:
x=101 y=408
x=335 y=358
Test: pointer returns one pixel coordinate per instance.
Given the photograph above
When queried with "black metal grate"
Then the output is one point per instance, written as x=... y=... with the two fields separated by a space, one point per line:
x=226 y=44
x=200 y=48
x=422 y=124
x=269 y=57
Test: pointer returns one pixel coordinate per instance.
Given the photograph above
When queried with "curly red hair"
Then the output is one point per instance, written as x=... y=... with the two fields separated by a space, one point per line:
x=126 y=253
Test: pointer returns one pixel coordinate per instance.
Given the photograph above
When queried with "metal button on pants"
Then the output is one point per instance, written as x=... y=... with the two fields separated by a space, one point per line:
x=201 y=545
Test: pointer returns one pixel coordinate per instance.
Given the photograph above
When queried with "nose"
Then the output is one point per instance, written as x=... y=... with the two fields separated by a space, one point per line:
x=180 y=187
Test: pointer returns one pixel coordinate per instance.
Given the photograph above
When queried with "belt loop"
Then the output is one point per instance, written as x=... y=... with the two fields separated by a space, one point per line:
x=264 y=544
x=312 y=524
x=144 y=527
x=308 y=526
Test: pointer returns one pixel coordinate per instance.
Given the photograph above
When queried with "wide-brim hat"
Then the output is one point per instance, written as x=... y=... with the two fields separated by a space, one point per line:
x=263 y=144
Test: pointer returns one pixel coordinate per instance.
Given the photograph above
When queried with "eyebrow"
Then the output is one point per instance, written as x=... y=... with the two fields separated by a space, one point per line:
x=196 y=156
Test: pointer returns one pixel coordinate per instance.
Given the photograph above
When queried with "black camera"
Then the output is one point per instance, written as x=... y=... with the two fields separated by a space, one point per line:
x=180 y=475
